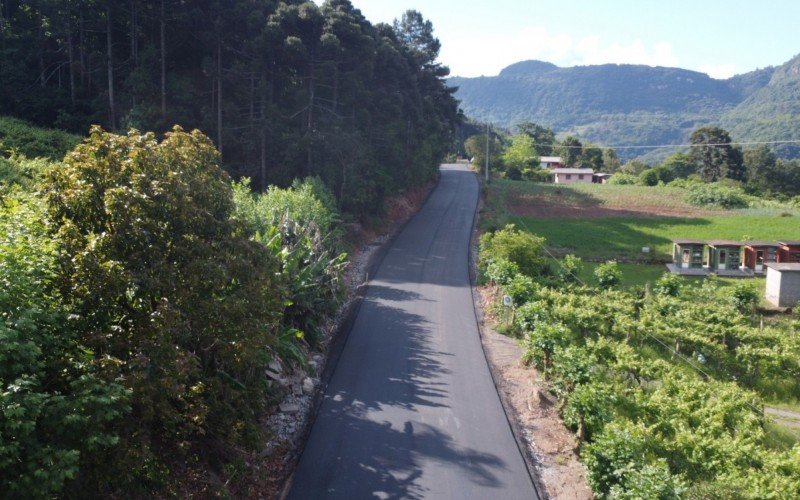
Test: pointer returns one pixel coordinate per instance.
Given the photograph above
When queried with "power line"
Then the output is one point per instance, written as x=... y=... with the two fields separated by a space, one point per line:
x=660 y=146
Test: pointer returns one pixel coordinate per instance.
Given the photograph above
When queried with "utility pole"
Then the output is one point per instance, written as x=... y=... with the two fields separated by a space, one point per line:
x=487 y=152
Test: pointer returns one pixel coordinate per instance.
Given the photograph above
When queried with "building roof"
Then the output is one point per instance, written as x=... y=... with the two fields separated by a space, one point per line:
x=724 y=243
x=791 y=243
x=784 y=266
x=688 y=242
x=550 y=159
x=760 y=244
x=572 y=171
x=603 y=174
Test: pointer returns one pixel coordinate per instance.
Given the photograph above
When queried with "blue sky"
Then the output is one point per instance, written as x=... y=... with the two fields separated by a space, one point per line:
x=718 y=37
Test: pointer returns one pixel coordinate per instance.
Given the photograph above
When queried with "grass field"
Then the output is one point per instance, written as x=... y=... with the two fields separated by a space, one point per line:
x=598 y=222
x=624 y=237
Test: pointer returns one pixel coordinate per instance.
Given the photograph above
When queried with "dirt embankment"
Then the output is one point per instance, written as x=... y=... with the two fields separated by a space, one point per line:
x=549 y=445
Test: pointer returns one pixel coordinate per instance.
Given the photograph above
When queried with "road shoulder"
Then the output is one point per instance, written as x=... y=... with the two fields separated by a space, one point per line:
x=547 y=446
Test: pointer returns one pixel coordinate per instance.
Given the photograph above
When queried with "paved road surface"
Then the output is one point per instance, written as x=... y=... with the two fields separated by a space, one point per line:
x=411 y=410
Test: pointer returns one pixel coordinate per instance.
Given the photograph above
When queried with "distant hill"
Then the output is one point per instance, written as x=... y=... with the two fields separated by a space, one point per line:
x=615 y=104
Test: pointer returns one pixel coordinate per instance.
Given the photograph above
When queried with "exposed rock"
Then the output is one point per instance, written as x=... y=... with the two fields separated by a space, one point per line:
x=308 y=385
x=289 y=408
x=275 y=366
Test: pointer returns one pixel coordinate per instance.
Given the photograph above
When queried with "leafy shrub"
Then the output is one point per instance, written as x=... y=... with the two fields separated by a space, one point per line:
x=570 y=269
x=521 y=289
x=529 y=314
x=572 y=365
x=300 y=226
x=610 y=458
x=588 y=408
x=17 y=170
x=654 y=176
x=536 y=174
x=33 y=142
x=166 y=292
x=541 y=343
x=622 y=179
x=668 y=285
x=56 y=413
x=716 y=195
x=744 y=297
x=513 y=173
x=521 y=248
x=307 y=202
x=608 y=274
x=501 y=271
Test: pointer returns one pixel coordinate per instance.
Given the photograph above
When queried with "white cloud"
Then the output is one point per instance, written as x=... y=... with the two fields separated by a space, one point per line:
x=473 y=55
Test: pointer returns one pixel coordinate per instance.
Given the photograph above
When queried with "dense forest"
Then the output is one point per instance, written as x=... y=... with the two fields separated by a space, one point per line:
x=285 y=89
x=621 y=104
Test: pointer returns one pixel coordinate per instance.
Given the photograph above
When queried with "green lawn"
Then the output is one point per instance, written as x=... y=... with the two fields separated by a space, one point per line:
x=624 y=237
x=632 y=274
x=598 y=222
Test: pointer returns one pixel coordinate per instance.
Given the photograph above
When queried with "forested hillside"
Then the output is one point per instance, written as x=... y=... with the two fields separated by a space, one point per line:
x=285 y=89
x=635 y=105
x=772 y=112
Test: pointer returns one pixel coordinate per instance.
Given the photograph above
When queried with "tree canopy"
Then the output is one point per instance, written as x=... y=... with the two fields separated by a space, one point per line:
x=285 y=89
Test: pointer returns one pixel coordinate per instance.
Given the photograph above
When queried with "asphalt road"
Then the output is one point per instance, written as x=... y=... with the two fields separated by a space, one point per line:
x=411 y=410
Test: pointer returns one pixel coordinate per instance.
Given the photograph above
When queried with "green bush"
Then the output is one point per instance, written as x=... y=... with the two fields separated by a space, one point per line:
x=501 y=271
x=716 y=195
x=654 y=176
x=33 y=141
x=514 y=174
x=744 y=297
x=537 y=174
x=521 y=248
x=622 y=179
x=668 y=285
x=608 y=275
x=57 y=414
x=521 y=289
x=570 y=269
x=301 y=227
x=167 y=294
x=17 y=170
x=542 y=341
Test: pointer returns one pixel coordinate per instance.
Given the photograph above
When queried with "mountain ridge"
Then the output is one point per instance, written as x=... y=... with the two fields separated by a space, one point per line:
x=612 y=104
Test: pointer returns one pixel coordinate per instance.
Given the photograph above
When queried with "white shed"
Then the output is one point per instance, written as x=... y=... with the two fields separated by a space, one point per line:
x=783 y=283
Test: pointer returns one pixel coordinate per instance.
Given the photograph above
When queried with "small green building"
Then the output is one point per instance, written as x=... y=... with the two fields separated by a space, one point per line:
x=688 y=254
x=724 y=255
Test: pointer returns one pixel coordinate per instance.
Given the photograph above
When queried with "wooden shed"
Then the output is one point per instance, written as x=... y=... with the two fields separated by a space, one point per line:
x=783 y=284
x=688 y=254
x=758 y=253
x=724 y=255
x=789 y=251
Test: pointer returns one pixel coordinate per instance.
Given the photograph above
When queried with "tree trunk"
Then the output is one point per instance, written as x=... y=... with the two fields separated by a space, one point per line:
x=134 y=30
x=82 y=48
x=219 y=93
x=310 y=123
x=112 y=112
x=163 y=65
x=71 y=56
x=40 y=37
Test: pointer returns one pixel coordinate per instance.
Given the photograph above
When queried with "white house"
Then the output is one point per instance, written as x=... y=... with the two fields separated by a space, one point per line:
x=572 y=175
x=550 y=162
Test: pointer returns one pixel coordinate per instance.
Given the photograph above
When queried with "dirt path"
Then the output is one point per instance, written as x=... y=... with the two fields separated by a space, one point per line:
x=550 y=445
x=788 y=418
